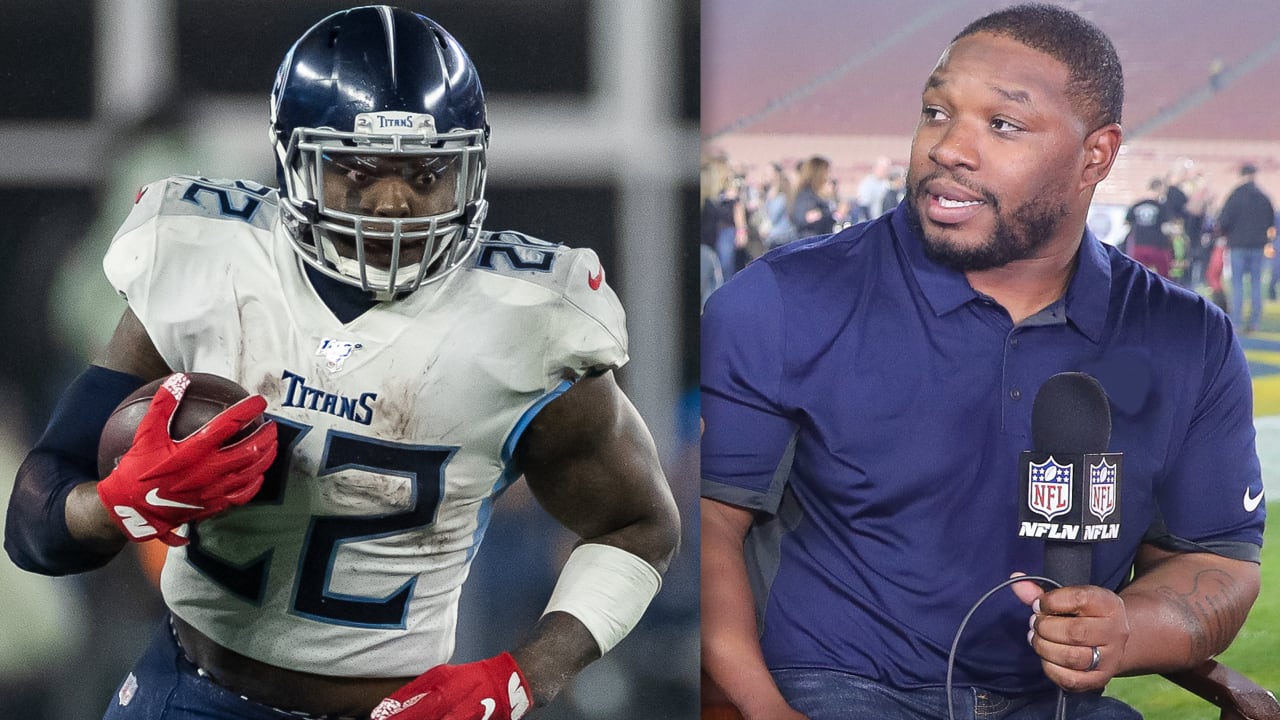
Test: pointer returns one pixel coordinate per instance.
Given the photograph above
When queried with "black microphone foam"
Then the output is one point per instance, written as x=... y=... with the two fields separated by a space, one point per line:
x=1071 y=414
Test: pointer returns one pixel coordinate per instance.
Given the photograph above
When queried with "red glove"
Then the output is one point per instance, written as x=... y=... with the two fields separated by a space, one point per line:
x=161 y=483
x=492 y=689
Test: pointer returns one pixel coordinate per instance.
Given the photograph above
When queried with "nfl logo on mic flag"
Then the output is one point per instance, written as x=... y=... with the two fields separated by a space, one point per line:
x=1050 y=490
x=1069 y=496
x=1102 y=489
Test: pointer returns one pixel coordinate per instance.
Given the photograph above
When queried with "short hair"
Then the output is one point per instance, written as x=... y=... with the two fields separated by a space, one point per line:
x=1096 y=83
x=1248 y=169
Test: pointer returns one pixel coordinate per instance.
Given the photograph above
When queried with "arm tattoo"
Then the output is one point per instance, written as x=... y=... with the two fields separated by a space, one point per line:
x=1211 y=611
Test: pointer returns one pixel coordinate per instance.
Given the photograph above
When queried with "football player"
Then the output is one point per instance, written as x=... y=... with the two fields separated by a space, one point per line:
x=412 y=365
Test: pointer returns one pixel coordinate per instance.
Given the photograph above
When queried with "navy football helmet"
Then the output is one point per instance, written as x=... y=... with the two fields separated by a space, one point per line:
x=361 y=89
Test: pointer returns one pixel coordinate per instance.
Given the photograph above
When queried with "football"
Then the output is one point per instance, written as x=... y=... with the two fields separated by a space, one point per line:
x=206 y=396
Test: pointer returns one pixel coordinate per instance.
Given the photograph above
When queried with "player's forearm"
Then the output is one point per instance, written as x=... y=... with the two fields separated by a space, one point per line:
x=53 y=522
x=731 y=653
x=603 y=591
x=1185 y=608
x=555 y=651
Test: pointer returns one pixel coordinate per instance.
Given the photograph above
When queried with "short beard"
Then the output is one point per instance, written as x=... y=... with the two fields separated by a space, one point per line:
x=1018 y=235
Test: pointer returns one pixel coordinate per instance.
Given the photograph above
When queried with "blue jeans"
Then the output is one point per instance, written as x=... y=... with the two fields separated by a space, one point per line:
x=1246 y=261
x=726 y=250
x=833 y=695
x=1275 y=272
x=165 y=686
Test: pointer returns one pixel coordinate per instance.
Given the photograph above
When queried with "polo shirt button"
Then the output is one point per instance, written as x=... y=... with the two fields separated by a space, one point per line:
x=1013 y=342
x=1016 y=394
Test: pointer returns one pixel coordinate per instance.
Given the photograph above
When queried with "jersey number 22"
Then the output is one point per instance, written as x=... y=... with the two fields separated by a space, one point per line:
x=325 y=534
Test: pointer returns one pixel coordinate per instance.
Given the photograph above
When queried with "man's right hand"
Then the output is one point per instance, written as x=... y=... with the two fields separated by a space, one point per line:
x=162 y=483
x=492 y=689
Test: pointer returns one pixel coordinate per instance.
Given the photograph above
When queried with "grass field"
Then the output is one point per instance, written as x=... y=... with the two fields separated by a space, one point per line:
x=1256 y=650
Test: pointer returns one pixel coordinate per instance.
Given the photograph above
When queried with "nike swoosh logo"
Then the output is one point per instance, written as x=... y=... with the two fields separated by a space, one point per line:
x=154 y=499
x=593 y=281
x=1251 y=503
x=489 y=706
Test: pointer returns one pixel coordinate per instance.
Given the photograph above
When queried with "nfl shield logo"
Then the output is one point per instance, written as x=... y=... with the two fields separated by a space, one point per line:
x=336 y=352
x=1102 y=489
x=1049 y=491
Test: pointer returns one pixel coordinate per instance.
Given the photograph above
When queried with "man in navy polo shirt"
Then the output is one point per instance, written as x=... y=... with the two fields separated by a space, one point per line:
x=866 y=396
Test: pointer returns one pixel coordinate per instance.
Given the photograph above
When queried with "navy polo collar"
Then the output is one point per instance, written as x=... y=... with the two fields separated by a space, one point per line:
x=1087 y=299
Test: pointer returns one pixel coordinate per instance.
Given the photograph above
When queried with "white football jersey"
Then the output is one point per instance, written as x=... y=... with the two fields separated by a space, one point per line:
x=396 y=429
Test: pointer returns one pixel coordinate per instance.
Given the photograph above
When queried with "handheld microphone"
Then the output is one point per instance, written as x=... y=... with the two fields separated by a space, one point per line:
x=1069 y=483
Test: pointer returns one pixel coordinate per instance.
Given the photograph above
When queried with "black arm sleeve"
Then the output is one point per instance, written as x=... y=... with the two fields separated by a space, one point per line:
x=35 y=533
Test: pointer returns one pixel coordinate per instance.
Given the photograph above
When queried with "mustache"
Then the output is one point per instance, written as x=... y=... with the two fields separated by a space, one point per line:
x=918 y=191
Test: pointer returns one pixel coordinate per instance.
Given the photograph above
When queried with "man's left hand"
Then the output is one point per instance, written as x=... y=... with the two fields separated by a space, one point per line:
x=1079 y=632
x=492 y=689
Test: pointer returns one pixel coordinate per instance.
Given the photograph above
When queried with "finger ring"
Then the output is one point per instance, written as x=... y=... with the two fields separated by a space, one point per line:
x=1097 y=658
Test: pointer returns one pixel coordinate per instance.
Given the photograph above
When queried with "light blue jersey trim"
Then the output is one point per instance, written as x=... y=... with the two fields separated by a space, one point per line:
x=509 y=446
x=509 y=472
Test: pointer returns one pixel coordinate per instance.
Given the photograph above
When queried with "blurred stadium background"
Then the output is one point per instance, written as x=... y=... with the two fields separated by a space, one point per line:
x=594 y=106
x=843 y=79
x=785 y=80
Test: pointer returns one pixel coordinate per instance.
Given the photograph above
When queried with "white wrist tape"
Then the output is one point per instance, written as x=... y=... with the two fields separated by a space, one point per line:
x=607 y=589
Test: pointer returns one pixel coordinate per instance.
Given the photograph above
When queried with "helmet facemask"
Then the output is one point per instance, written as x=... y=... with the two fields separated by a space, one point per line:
x=340 y=229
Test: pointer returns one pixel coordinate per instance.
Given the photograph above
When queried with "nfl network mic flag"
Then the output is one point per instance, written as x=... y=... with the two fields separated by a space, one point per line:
x=1071 y=497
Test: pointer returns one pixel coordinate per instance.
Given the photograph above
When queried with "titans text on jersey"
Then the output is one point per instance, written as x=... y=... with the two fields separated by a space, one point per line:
x=297 y=394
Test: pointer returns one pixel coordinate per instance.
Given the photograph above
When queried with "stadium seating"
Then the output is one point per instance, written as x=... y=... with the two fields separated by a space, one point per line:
x=872 y=87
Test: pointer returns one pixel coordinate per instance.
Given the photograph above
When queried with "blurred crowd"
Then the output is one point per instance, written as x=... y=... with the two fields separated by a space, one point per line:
x=747 y=212
x=1216 y=240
